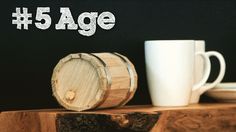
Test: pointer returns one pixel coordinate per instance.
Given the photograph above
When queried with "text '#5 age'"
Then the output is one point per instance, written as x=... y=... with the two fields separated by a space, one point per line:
x=106 y=20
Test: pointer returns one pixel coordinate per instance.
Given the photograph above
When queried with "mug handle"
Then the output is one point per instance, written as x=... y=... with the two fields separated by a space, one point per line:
x=207 y=69
x=221 y=74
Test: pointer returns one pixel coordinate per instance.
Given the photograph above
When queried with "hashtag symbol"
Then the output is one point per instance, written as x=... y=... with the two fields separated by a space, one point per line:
x=21 y=18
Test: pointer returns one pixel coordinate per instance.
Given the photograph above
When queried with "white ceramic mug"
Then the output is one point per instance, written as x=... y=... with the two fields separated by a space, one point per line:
x=170 y=71
x=199 y=71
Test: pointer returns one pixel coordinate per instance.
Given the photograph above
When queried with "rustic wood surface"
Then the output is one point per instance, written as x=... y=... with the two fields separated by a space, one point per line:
x=196 y=118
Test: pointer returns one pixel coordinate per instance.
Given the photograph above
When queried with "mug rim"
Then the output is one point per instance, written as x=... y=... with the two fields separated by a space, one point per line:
x=167 y=41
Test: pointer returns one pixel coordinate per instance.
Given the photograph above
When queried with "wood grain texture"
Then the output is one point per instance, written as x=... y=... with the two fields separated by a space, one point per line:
x=220 y=120
x=38 y=121
x=194 y=118
x=27 y=122
x=85 y=81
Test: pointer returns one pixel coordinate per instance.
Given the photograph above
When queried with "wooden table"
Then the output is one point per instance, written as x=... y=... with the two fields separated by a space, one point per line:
x=199 y=117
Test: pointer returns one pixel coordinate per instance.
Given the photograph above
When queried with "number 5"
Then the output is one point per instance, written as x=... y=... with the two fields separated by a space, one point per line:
x=41 y=16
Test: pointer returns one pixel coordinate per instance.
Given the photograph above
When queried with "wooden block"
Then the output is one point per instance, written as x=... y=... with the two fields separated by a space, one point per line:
x=196 y=118
x=66 y=121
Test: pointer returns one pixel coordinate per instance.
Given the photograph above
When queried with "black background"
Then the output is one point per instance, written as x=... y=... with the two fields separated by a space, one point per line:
x=29 y=56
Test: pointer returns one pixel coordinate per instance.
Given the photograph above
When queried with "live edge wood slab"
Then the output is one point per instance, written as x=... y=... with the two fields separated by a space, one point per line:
x=199 y=118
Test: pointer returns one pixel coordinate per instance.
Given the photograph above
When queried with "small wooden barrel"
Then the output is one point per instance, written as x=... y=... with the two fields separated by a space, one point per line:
x=99 y=80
